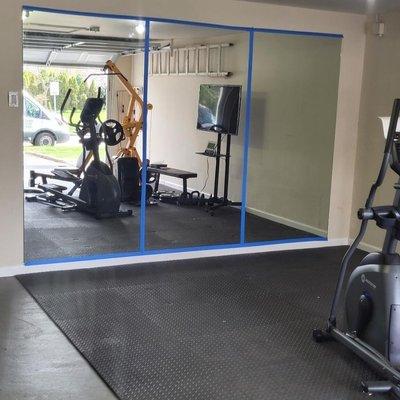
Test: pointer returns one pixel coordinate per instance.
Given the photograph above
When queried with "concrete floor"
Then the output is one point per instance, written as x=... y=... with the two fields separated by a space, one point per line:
x=37 y=362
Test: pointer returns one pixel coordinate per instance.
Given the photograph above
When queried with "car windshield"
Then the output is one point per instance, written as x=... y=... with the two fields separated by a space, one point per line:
x=33 y=111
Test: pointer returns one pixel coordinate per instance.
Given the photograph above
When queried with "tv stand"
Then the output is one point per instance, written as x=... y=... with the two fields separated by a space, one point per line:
x=215 y=201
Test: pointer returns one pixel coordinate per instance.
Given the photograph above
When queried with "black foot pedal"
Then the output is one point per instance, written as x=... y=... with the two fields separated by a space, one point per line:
x=31 y=198
x=33 y=190
x=52 y=187
x=66 y=173
x=126 y=213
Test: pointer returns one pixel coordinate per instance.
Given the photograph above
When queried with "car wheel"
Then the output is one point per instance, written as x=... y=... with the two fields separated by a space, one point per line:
x=44 y=139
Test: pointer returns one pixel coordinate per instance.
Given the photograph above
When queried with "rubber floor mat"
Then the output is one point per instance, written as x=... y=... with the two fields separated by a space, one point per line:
x=236 y=327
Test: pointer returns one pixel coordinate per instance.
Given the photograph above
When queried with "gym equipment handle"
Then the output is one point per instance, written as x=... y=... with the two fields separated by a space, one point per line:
x=64 y=103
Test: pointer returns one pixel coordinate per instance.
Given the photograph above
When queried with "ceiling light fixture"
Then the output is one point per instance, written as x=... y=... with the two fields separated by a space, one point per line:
x=140 y=28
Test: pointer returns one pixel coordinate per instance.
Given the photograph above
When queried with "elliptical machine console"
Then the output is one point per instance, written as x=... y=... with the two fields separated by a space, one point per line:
x=372 y=298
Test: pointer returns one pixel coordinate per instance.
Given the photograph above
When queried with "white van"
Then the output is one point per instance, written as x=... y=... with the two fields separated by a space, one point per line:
x=41 y=126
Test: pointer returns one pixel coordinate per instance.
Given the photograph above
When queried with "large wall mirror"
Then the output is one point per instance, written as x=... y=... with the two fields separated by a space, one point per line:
x=106 y=100
x=90 y=56
x=196 y=88
x=294 y=99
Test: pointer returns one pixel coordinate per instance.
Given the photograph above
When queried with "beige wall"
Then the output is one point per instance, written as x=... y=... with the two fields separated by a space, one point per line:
x=381 y=86
x=11 y=197
x=295 y=85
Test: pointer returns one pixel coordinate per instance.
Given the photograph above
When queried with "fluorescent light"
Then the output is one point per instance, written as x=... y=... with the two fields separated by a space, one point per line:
x=140 y=28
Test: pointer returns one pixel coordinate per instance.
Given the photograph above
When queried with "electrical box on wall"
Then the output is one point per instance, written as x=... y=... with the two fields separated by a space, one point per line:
x=13 y=100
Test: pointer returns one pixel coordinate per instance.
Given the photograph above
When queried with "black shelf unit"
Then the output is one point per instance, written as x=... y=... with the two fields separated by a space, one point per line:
x=215 y=201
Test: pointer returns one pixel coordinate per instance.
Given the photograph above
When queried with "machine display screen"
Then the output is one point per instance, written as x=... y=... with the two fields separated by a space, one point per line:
x=219 y=108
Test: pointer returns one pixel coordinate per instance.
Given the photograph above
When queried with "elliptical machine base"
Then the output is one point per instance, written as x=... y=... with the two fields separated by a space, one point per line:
x=100 y=191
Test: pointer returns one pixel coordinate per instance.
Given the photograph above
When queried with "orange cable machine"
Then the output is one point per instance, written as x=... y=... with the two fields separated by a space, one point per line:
x=132 y=124
x=127 y=159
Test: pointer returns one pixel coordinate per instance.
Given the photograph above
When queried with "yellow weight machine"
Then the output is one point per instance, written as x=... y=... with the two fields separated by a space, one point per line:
x=132 y=122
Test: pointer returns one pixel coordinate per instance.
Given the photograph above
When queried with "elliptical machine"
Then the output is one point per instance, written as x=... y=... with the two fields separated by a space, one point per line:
x=99 y=194
x=372 y=300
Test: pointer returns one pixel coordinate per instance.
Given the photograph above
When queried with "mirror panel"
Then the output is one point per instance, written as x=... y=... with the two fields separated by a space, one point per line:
x=294 y=100
x=197 y=86
x=76 y=227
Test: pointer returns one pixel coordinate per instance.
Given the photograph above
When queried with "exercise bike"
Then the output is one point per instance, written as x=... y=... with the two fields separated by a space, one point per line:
x=99 y=191
x=372 y=299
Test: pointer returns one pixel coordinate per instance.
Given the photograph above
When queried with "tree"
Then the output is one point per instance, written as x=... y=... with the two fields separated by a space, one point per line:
x=37 y=84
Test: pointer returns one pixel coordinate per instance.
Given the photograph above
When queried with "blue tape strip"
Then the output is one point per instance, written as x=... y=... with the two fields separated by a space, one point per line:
x=201 y=24
x=300 y=33
x=246 y=139
x=82 y=13
x=182 y=22
x=44 y=261
x=142 y=238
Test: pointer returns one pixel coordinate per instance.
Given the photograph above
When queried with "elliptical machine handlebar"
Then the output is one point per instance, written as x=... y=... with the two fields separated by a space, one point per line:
x=71 y=116
x=66 y=98
x=390 y=156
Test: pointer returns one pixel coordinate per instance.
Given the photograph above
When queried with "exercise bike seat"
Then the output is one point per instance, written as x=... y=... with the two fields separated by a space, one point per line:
x=66 y=173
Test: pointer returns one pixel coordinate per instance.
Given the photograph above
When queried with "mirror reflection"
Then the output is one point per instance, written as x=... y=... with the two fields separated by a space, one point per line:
x=197 y=83
x=294 y=97
x=79 y=135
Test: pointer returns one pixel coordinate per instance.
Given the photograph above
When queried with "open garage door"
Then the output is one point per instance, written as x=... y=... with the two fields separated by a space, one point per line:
x=69 y=40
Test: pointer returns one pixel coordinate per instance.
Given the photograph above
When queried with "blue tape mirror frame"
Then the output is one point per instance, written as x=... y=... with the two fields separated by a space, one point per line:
x=241 y=170
x=94 y=115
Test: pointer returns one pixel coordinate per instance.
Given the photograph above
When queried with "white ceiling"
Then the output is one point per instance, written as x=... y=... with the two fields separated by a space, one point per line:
x=352 y=6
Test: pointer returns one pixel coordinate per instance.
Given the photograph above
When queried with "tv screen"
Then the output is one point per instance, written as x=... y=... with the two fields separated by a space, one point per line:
x=219 y=108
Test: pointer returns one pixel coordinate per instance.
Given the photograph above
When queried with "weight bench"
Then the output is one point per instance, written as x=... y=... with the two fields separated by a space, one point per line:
x=175 y=173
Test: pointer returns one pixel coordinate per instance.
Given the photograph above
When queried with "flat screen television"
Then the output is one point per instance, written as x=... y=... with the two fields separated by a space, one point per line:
x=219 y=108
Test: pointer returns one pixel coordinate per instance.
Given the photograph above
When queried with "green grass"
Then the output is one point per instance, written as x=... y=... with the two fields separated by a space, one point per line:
x=69 y=154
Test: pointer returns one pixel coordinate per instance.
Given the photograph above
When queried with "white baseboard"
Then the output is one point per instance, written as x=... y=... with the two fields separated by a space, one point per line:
x=178 y=186
x=132 y=260
x=287 y=221
x=170 y=184
x=369 y=247
x=262 y=214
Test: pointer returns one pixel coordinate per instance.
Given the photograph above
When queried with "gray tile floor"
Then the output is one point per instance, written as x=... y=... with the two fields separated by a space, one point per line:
x=37 y=362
